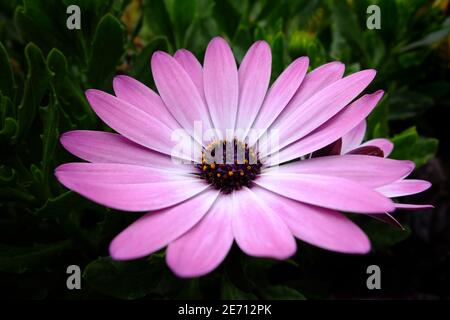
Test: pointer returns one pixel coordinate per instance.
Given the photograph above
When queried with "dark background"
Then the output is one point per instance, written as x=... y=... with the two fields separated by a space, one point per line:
x=45 y=68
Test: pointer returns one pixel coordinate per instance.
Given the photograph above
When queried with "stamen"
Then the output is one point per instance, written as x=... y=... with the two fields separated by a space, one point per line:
x=228 y=172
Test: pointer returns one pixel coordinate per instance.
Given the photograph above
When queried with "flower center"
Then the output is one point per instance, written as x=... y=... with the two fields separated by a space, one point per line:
x=229 y=165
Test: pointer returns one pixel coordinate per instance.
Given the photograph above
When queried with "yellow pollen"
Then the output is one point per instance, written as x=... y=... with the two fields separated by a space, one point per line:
x=204 y=168
x=230 y=173
x=213 y=165
x=218 y=175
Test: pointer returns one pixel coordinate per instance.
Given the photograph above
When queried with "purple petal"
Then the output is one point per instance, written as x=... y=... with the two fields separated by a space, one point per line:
x=201 y=249
x=179 y=93
x=326 y=191
x=366 y=170
x=312 y=113
x=279 y=95
x=324 y=228
x=135 y=124
x=313 y=83
x=384 y=144
x=254 y=77
x=329 y=132
x=404 y=188
x=106 y=147
x=354 y=137
x=144 y=98
x=258 y=230
x=155 y=230
x=128 y=187
x=220 y=80
x=192 y=67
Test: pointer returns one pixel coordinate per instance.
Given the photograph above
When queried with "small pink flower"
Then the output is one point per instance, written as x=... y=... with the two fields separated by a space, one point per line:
x=280 y=192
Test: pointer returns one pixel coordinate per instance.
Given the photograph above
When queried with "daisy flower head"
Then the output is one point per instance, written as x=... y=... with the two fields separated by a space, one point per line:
x=219 y=155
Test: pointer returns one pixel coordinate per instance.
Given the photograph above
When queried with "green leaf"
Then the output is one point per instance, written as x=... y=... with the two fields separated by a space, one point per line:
x=431 y=38
x=36 y=86
x=405 y=104
x=50 y=136
x=281 y=293
x=124 y=279
x=383 y=235
x=226 y=16
x=156 y=21
x=70 y=96
x=108 y=47
x=347 y=25
x=409 y=146
x=7 y=78
x=182 y=14
x=17 y=259
x=231 y=292
x=278 y=55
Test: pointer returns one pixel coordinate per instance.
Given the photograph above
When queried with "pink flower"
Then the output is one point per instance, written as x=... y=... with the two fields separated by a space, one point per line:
x=199 y=209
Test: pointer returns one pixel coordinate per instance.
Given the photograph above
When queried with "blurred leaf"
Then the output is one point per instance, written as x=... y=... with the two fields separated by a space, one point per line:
x=346 y=25
x=7 y=79
x=383 y=235
x=409 y=146
x=231 y=292
x=405 y=104
x=157 y=20
x=278 y=55
x=124 y=279
x=70 y=96
x=281 y=293
x=431 y=38
x=17 y=259
x=182 y=15
x=36 y=86
x=226 y=16
x=108 y=47
x=50 y=136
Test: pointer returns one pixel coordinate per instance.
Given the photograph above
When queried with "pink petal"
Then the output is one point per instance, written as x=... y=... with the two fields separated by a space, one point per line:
x=310 y=114
x=192 y=67
x=179 y=93
x=254 y=77
x=128 y=187
x=407 y=206
x=314 y=82
x=201 y=249
x=144 y=98
x=136 y=125
x=106 y=147
x=155 y=230
x=354 y=137
x=326 y=191
x=220 y=80
x=404 y=188
x=366 y=170
x=258 y=230
x=384 y=144
x=280 y=93
x=324 y=228
x=329 y=132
